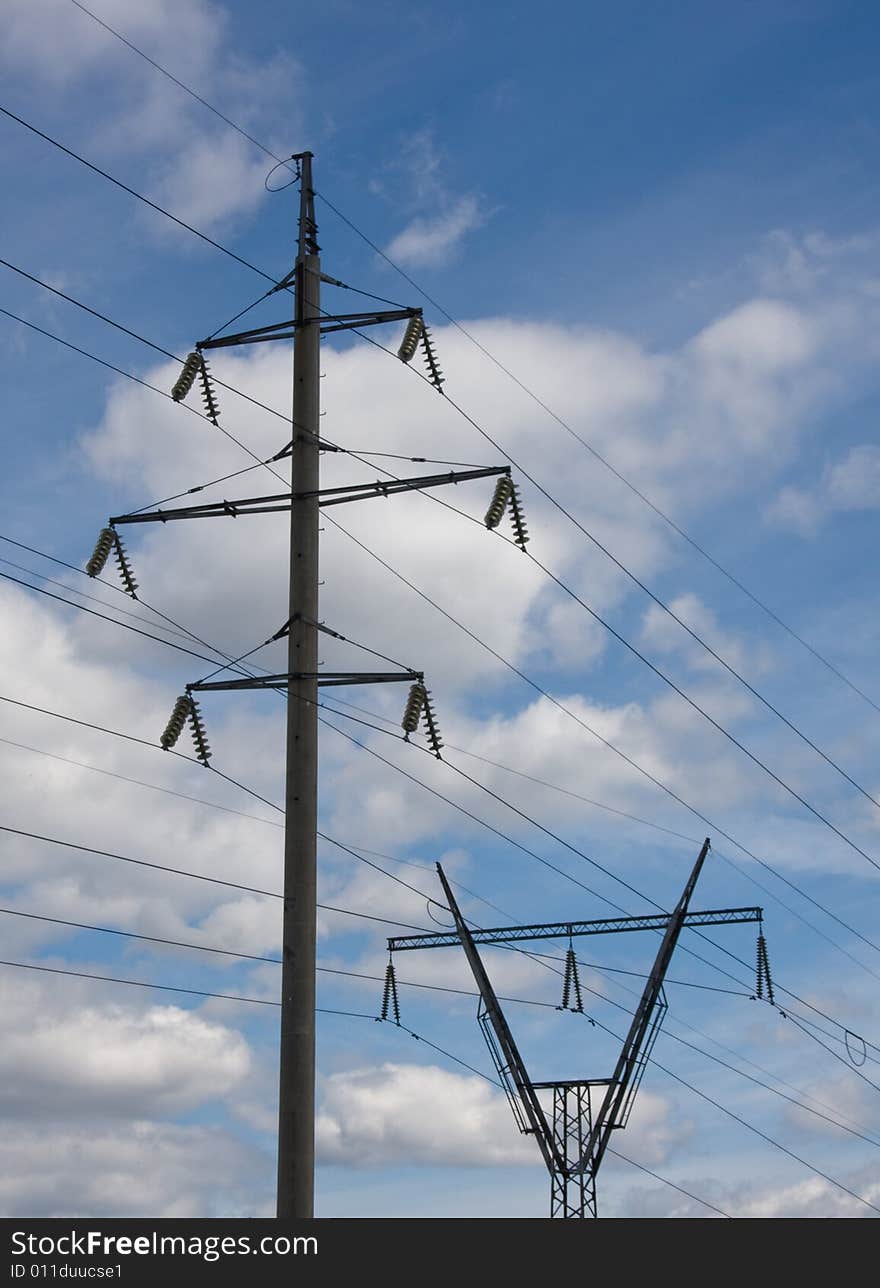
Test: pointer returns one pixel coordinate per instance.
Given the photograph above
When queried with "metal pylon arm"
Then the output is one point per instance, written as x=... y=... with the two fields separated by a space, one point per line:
x=327 y=322
x=643 y=1030
x=506 y=1056
x=282 y=501
x=573 y=929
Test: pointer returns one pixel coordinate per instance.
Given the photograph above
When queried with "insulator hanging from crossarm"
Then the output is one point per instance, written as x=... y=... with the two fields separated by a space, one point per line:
x=506 y=497
x=411 y=337
x=763 y=980
x=178 y=718
x=435 y=375
x=520 y=531
x=571 y=980
x=109 y=540
x=197 y=729
x=433 y=731
x=124 y=566
x=191 y=367
x=413 y=711
x=418 y=704
x=101 y=553
x=209 y=397
x=503 y=490
x=389 y=995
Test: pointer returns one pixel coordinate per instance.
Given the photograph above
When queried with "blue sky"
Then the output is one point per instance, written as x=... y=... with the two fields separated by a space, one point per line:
x=663 y=222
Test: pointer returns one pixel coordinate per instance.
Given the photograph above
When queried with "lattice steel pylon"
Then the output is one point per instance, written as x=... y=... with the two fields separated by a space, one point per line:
x=574 y=1141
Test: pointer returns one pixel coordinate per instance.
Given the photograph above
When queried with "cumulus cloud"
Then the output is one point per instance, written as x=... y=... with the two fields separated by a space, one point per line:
x=430 y=242
x=187 y=158
x=848 y=485
x=406 y=1113
x=443 y=220
x=145 y=1168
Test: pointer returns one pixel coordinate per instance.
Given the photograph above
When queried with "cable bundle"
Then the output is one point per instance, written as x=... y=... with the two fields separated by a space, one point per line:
x=184 y=382
x=506 y=497
x=411 y=336
x=418 y=704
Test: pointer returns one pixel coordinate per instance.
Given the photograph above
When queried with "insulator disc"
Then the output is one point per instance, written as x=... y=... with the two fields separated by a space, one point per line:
x=183 y=384
x=101 y=552
x=411 y=336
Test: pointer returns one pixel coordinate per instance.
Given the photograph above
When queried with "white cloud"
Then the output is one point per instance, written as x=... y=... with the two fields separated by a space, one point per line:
x=63 y=1057
x=186 y=157
x=848 y=485
x=140 y=1169
x=431 y=242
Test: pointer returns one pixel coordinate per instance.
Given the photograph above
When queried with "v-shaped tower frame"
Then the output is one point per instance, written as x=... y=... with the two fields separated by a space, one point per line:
x=574 y=1140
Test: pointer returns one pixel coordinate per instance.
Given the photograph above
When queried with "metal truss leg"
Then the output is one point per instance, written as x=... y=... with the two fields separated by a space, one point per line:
x=572 y=1194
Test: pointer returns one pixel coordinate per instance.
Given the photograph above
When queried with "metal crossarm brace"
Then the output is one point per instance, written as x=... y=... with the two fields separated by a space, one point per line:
x=564 y=929
x=281 y=501
x=288 y=330
x=511 y=1068
x=324 y=679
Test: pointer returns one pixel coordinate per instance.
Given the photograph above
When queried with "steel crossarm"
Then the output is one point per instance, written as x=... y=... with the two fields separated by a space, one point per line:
x=323 y=678
x=280 y=501
x=567 y=929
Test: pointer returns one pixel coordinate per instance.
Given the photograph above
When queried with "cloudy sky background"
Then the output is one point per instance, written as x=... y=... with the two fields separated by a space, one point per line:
x=665 y=226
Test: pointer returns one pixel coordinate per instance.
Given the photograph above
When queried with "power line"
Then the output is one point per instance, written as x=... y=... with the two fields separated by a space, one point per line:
x=602 y=459
x=243 y=956
x=556 y=702
x=563 y=510
x=665 y=607
x=181 y=223
x=540 y=859
x=483 y=432
x=492 y=358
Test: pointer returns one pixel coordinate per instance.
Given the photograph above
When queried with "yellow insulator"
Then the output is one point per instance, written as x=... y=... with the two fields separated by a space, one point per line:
x=414 y=704
x=503 y=491
x=174 y=727
x=103 y=546
x=191 y=367
x=411 y=336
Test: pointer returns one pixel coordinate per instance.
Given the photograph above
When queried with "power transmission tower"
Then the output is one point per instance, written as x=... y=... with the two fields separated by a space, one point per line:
x=574 y=1141
x=301 y=681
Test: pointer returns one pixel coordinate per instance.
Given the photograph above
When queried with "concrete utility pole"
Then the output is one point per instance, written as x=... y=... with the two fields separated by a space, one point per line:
x=296 y=1108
